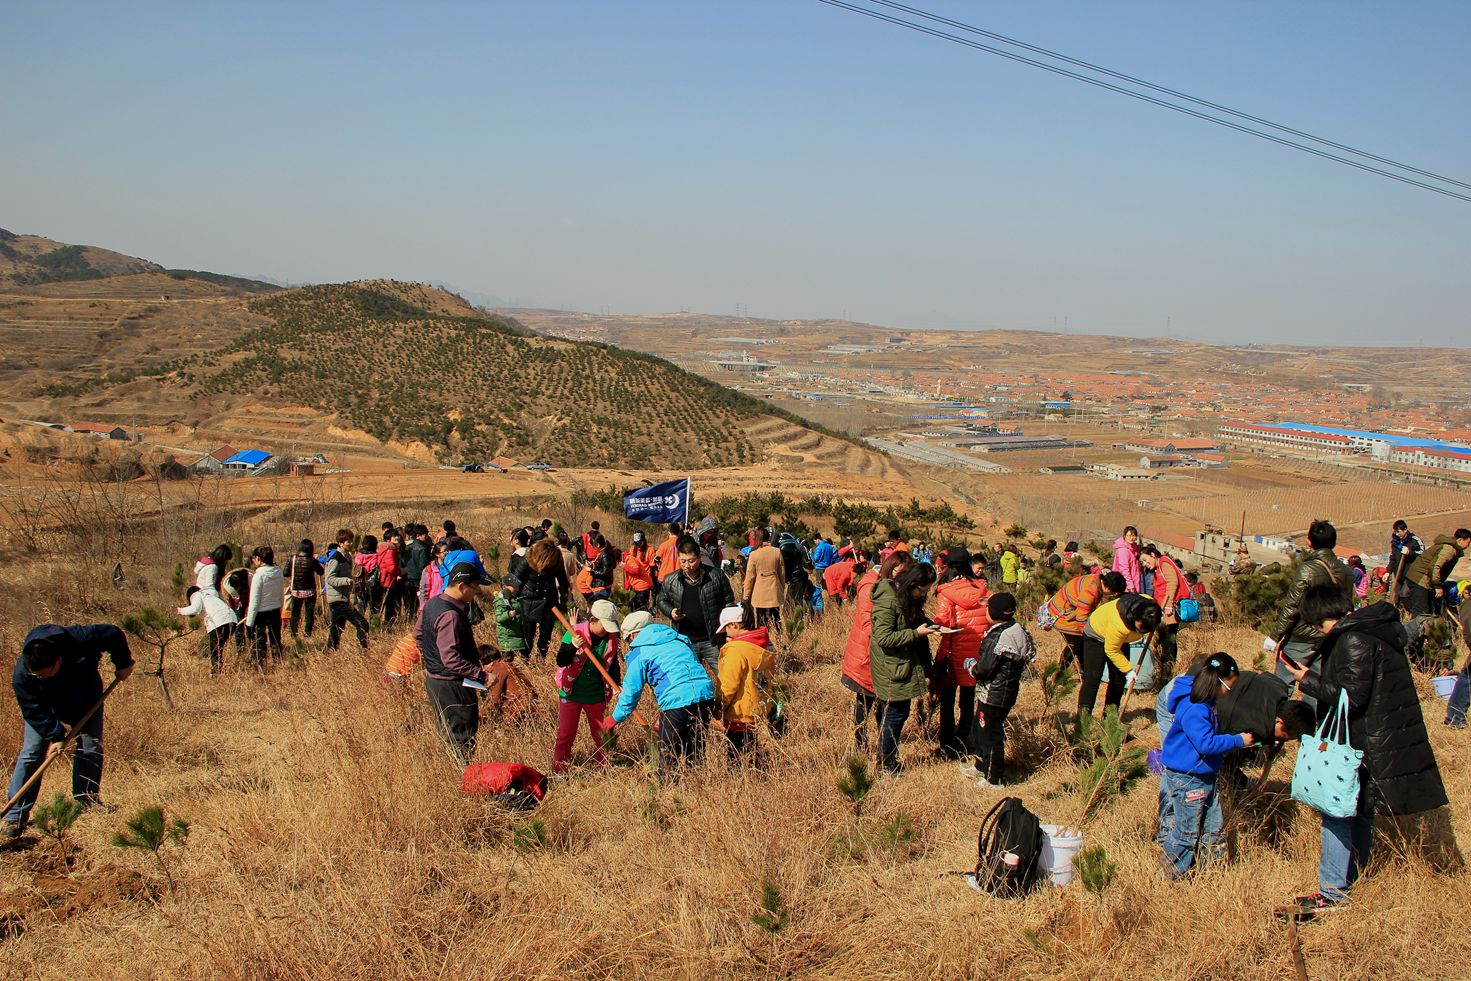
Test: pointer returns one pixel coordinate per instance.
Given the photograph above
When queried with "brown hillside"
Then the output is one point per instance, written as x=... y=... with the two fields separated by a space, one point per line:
x=29 y=259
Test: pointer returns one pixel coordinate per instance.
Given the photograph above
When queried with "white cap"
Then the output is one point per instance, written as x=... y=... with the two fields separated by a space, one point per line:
x=730 y=615
x=606 y=613
x=636 y=621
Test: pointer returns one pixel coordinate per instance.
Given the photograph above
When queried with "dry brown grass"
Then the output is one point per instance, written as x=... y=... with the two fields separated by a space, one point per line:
x=331 y=840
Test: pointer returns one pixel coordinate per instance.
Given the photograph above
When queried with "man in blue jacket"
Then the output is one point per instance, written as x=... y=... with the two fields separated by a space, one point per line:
x=56 y=681
x=666 y=662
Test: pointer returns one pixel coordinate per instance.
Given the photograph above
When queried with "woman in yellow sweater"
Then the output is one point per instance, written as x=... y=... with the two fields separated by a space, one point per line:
x=1112 y=627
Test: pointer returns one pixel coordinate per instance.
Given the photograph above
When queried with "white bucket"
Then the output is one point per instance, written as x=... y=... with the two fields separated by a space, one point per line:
x=1444 y=685
x=1059 y=845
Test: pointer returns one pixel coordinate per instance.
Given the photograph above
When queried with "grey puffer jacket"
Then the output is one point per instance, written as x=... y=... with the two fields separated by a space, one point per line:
x=337 y=579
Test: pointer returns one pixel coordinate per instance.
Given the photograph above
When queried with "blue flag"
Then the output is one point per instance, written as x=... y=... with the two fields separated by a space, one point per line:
x=661 y=503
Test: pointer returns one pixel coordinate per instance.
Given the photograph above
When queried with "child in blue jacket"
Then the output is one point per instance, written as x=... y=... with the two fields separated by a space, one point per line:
x=1194 y=750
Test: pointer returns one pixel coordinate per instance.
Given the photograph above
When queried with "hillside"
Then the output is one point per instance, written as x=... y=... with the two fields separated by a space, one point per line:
x=380 y=369
x=26 y=260
x=403 y=363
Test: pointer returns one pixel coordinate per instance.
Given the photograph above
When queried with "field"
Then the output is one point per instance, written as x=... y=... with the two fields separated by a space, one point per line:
x=330 y=838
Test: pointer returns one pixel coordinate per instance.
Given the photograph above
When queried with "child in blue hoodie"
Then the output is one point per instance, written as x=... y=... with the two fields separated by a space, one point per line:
x=1193 y=753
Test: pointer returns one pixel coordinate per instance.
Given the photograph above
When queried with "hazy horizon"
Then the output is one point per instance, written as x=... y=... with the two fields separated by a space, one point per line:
x=784 y=157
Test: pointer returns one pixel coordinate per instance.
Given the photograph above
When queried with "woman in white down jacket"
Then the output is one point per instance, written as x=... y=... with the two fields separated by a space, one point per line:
x=205 y=600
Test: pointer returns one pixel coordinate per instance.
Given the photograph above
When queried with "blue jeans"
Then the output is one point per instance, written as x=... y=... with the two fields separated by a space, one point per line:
x=892 y=716
x=1197 y=819
x=86 y=768
x=1455 y=712
x=708 y=653
x=1344 y=852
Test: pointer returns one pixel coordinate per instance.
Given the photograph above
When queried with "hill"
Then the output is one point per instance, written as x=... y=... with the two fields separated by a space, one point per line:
x=26 y=260
x=381 y=369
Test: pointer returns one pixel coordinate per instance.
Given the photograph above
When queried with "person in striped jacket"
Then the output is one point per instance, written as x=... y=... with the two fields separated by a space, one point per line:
x=1067 y=611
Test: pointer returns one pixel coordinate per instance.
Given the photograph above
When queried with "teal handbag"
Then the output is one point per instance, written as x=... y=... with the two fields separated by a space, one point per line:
x=1326 y=777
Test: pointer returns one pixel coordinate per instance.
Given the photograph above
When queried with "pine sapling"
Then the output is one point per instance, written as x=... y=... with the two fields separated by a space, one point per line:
x=157 y=630
x=55 y=819
x=148 y=831
x=856 y=783
x=772 y=916
x=1094 y=869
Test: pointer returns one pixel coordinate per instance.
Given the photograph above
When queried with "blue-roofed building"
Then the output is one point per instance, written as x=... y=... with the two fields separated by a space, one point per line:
x=246 y=461
x=1395 y=440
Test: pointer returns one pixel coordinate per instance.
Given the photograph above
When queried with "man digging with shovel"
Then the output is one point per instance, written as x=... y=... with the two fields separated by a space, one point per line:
x=57 y=684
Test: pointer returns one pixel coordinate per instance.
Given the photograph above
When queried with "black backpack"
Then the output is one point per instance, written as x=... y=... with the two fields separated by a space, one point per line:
x=1009 y=850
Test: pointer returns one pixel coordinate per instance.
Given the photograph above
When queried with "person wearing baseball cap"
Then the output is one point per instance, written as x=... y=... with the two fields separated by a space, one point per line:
x=747 y=669
x=452 y=670
x=659 y=657
x=581 y=686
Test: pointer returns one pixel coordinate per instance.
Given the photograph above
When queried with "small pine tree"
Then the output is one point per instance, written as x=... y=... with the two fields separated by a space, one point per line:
x=1094 y=869
x=148 y=831
x=772 y=916
x=1112 y=768
x=529 y=835
x=157 y=630
x=55 y=819
x=856 y=783
x=177 y=579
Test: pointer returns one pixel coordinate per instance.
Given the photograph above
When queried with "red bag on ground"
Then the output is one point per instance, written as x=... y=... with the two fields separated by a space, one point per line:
x=483 y=779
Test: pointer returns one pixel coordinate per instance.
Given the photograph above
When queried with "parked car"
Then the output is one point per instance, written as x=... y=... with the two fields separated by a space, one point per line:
x=538 y=466
x=473 y=468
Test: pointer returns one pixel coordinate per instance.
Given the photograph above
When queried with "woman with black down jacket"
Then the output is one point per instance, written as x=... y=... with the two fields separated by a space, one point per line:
x=1363 y=654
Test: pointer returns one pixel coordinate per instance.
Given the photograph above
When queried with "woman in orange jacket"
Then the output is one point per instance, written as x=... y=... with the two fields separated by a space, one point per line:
x=857 y=672
x=960 y=605
x=638 y=572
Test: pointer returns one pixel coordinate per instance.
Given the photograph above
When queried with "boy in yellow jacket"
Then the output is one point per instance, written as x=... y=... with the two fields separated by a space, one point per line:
x=746 y=671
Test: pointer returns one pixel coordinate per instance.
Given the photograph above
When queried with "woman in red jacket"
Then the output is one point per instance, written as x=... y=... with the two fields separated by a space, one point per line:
x=857 y=675
x=961 y=605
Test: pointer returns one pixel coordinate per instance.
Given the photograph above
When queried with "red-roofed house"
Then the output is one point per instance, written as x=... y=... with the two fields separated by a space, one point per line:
x=213 y=461
x=99 y=429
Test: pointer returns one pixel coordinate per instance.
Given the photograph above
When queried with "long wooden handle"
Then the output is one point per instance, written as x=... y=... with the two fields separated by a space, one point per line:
x=65 y=742
x=1124 y=704
x=601 y=670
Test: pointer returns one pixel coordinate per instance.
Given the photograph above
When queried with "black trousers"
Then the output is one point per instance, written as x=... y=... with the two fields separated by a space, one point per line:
x=865 y=703
x=1072 y=650
x=456 y=714
x=219 y=639
x=768 y=617
x=1095 y=663
x=953 y=736
x=682 y=733
x=341 y=614
x=411 y=589
x=303 y=609
x=265 y=636
x=991 y=743
x=640 y=600
x=541 y=630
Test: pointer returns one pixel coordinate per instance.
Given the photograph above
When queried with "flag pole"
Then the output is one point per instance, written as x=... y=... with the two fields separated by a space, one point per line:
x=689 y=493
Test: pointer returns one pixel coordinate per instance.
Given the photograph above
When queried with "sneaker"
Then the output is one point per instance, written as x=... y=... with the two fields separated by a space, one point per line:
x=969 y=771
x=11 y=830
x=983 y=783
x=1306 y=908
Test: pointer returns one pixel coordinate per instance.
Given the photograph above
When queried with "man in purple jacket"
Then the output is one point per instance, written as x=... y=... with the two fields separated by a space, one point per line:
x=452 y=671
x=56 y=681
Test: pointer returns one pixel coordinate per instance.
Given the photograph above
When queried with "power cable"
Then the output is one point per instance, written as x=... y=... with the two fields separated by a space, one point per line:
x=1122 y=76
x=1186 y=110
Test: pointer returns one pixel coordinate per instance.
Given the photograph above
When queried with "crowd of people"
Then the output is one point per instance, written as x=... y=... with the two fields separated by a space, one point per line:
x=703 y=617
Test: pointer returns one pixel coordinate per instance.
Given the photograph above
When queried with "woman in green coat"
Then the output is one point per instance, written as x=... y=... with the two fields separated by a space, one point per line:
x=899 y=652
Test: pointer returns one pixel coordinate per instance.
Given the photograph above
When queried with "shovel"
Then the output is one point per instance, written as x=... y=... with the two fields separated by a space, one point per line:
x=53 y=757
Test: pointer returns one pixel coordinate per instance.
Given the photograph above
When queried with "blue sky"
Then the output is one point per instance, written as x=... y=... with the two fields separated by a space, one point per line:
x=777 y=154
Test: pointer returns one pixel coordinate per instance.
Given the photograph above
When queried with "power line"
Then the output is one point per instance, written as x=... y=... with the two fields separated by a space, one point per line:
x=1186 y=110
x=1122 y=76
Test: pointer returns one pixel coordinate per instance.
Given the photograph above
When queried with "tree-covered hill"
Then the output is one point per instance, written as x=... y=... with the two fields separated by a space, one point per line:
x=410 y=363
